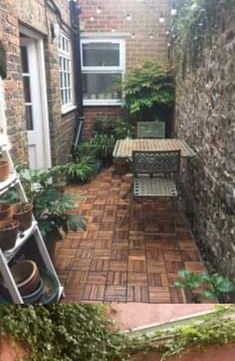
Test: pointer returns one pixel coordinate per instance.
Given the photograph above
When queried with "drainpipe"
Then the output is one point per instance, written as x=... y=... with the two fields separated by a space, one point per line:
x=75 y=11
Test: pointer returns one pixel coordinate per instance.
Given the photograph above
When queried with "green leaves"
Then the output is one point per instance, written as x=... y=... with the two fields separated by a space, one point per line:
x=213 y=286
x=148 y=87
x=80 y=171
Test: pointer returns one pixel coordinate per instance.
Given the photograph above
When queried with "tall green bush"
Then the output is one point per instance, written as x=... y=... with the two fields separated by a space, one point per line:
x=149 y=92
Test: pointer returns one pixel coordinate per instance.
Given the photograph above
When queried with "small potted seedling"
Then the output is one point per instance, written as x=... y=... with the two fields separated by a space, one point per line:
x=22 y=212
x=8 y=234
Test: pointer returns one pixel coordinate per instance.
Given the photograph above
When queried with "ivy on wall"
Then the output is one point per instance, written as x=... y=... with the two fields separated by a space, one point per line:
x=197 y=25
x=84 y=333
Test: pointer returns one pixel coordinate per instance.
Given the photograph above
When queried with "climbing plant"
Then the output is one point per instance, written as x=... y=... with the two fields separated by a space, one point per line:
x=85 y=333
x=198 y=24
x=149 y=91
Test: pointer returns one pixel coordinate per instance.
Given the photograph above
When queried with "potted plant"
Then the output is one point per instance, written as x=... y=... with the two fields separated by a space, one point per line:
x=5 y=211
x=8 y=234
x=22 y=212
x=4 y=169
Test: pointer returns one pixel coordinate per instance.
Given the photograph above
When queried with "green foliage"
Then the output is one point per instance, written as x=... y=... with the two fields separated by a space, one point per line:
x=102 y=147
x=215 y=329
x=50 y=206
x=197 y=25
x=119 y=127
x=84 y=333
x=213 y=286
x=148 y=88
x=66 y=332
x=81 y=171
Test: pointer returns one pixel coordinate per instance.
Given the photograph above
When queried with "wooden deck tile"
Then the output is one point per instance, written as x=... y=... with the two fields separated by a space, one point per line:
x=116 y=259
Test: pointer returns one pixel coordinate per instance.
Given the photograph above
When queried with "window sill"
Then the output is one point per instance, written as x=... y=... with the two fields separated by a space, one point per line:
x=68 y=109
x=105 y=103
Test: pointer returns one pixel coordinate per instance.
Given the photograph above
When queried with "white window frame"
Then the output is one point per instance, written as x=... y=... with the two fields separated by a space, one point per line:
x=68 y=55
x=121 y=69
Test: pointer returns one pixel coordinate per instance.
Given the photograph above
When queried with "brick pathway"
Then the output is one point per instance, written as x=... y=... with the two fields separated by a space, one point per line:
x=118 y=261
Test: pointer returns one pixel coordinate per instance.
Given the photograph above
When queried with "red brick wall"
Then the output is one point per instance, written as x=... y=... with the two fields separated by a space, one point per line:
x=144 y=22
x=212 y=353
x=92 y=113
x=32 y=13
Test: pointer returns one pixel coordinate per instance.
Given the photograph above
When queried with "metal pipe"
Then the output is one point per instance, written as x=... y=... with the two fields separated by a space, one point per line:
x=75 y=11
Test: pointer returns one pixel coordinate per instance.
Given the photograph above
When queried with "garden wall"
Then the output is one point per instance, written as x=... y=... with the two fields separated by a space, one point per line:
x=205 y=118
x=139 y=49
x=212 y=353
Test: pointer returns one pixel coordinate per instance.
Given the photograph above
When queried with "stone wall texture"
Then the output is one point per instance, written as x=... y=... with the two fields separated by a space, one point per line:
x=35 y=15
x=205 y=118
x=141 y=47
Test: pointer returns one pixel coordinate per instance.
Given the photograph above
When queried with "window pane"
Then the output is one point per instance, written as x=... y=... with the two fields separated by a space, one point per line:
x=24 y=59
x=101 y=54
x=101 y=86
x=27 y=95
x=29 y=117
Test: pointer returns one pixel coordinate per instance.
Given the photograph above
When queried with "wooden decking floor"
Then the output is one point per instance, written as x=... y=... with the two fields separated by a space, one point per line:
x=116 y=259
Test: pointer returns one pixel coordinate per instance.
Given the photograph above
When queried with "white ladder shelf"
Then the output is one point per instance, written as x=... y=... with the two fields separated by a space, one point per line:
x=7 y=256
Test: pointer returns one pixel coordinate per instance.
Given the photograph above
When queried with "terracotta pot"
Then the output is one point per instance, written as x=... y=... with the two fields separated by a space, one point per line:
x=8 y=234
x=26 y=275
x=4 y=169
x=5 y=212
x=22 y=212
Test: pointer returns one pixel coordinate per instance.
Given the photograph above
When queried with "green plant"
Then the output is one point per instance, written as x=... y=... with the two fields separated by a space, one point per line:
x=197 y=25
x=102 y=147
x=66 y=332
x=207 y=286
x=149 y=91
x=80 y=171
x=119 y=127
x=85 y=333
x=50 y=206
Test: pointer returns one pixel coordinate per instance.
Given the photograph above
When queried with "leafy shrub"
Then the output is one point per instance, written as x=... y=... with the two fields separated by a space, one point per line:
x=66 y=332
x=213 y=286
x=149 y=90
x=50 y=206
x=119 y=127
x=102 y=147
x=80 y=171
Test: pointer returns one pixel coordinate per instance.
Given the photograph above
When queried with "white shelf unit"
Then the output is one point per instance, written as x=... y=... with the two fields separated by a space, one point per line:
x=23 y=237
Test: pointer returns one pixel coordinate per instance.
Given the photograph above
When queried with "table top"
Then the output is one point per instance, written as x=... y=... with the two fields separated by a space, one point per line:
x=124 y=147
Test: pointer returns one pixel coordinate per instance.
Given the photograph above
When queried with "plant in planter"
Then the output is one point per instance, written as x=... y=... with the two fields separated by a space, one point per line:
x=149 y=92
x=50 y=206
x=8 y=234
x=102 y=147
x=23 y=213
x=80 y=171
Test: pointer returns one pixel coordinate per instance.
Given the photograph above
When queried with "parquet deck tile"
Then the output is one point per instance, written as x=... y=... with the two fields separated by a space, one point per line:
x=127 y=253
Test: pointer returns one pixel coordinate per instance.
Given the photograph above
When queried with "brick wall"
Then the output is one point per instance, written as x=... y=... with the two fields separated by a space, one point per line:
x=139 y=49
x=33 y=14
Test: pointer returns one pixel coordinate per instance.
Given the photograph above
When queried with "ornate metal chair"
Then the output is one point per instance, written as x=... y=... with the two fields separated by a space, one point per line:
x=151 y=130
x=155 y=175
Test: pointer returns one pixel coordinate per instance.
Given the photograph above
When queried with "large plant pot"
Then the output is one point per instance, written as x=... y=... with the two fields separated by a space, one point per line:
x=8 y=234
x=22 y=212
x=5 y=212
x=4 y=169
x=26 y=276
